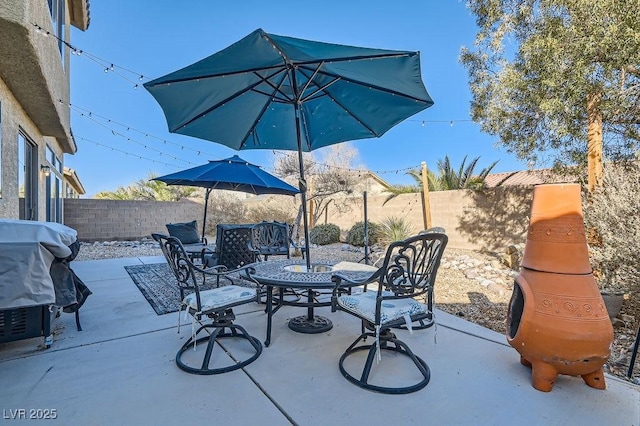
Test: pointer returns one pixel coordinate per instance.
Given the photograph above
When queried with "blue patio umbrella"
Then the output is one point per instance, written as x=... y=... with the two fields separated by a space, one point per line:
x=274 y=92
x=232 y=174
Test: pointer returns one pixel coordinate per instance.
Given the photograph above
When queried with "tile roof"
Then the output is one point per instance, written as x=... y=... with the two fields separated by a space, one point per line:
x=526 y=177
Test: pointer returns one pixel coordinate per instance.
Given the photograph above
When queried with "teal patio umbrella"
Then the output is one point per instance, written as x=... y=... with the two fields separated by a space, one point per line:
x=231 y=174
x=281 y=93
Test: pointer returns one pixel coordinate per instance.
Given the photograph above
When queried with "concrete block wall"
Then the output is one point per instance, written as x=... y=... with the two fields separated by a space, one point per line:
x=474 y=220
x=488 y=220
x=105 y=220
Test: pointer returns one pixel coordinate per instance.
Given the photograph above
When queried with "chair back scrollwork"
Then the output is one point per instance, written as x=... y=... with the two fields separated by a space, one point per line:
x=270 y=239
x=410 y=265
x=180 y=265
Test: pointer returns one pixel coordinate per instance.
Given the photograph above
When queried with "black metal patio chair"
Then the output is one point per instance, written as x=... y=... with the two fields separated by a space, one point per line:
x=232 y=247
x=187 y=232
x=270 y=239
x=407 y=273
x=425 y=320
x=212 y=309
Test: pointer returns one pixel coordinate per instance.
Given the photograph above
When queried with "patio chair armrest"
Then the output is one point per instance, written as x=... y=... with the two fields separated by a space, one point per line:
x=256 y=251
x=342 y=283
x=220 y=271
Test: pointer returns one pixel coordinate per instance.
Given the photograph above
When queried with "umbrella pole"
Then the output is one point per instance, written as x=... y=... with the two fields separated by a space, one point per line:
x=366 y=229
x=206 y=203
x=303 y=194
x=303 y=185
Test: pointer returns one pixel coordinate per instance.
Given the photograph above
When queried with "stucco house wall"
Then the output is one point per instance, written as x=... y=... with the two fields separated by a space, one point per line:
x=34 y=78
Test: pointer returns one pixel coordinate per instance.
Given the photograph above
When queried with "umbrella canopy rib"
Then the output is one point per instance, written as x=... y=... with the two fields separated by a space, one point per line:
x=369 y=85
x=351 y=114
x=280 y=67
x=277 y=89
x=264 y=108
x=222 y=102
x=315 y=72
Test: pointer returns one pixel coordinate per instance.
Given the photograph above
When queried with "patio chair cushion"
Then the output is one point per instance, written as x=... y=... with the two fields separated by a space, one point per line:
x=186 y=232
x=364 y=306
x=219 y=297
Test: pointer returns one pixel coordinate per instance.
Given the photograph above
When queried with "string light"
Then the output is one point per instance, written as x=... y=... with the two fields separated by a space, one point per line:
x=126 y=153
x=110 y=67
x=107 y=66
x=450 y=122
x=93 y=117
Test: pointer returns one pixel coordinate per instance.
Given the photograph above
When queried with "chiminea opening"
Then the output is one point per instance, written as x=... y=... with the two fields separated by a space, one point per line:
x=516 y=305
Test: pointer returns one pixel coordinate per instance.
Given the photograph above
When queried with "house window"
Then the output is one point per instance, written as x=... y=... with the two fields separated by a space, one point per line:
x=28 y=177
x=57 y=11
x=54 y=187
x=54 y=198
x=71 y=193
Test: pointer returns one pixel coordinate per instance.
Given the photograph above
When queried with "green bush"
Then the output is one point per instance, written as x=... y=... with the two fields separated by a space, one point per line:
x=395 y=228
x=355 y=236
x=324 y=234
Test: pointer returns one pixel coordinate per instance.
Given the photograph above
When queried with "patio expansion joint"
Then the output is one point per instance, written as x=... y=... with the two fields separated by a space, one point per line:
x=270 y=398
x=83 y=345
x=469 y=333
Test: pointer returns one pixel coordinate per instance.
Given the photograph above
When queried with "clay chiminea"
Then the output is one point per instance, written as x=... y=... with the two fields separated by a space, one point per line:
x=557 y=320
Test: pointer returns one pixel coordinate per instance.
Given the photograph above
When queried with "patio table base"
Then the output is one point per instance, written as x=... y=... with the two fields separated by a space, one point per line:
x=313 y=325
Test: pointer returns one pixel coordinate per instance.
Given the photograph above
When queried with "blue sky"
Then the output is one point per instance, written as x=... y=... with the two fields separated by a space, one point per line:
x=125 y=136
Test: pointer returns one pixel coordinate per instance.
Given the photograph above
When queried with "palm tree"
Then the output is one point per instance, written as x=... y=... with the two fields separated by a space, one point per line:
x=149 y=190
x=464 y=177
x=446 y=179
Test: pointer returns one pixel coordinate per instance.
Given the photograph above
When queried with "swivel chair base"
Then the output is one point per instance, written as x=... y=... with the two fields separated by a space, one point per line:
x=218 y=332
x=388 y=342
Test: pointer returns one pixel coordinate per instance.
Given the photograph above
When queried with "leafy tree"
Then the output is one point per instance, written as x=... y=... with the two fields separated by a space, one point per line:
x=549 y=75
x=149 y=190
x=446 y=179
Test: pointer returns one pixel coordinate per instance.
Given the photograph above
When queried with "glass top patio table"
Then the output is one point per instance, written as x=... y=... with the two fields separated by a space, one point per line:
x=290 y=274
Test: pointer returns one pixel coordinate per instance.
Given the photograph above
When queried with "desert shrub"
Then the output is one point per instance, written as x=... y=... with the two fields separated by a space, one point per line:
x=355 y=236
x=224 y=208
x=394 y=228
x=270 y=213
x=324 y=234
x=613 y=225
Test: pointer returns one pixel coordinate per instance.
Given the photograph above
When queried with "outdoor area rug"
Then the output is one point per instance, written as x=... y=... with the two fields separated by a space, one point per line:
x=159 y=286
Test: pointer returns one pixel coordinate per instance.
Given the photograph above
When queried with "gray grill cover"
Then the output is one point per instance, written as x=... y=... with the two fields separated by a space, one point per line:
x=27 y=249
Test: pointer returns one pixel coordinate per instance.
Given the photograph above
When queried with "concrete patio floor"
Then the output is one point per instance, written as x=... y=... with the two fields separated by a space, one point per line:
x=121 y=370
